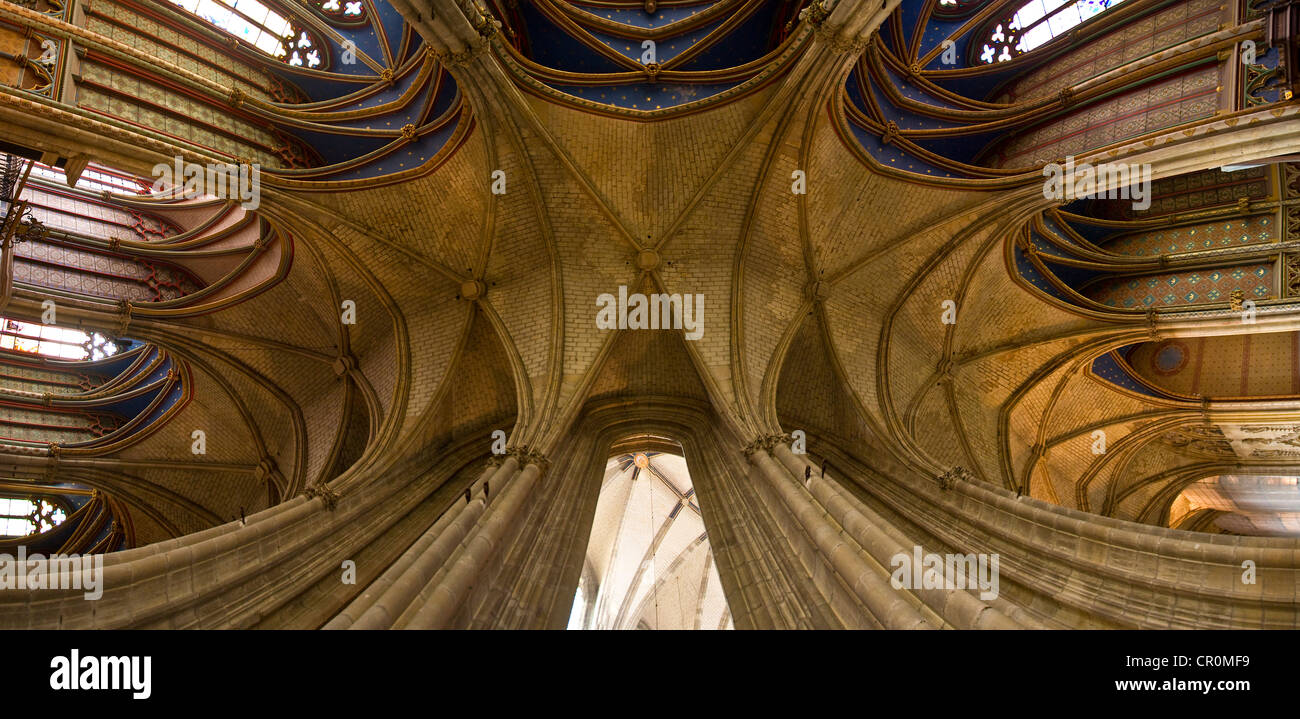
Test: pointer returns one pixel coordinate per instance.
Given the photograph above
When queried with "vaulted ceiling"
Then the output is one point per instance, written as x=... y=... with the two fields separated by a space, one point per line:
x=771 y=188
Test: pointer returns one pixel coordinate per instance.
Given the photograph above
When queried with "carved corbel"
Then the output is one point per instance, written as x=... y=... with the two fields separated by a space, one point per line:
x=123 y=318
x=1236 y=300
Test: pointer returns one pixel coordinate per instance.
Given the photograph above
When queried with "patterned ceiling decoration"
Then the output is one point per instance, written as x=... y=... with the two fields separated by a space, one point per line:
x=597 y=54
x=1229 y=367
x=1209 y=238
x=924 y=100
x=31 y=61
x=72 y=518
x=68 y=392
x=376 y=104
x=108 y=240
x=87 y=407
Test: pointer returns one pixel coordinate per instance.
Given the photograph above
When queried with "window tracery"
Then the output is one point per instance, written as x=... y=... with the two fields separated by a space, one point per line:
x=25 y=516
x=1036 y=23
x=57 y=342
x=265 y=28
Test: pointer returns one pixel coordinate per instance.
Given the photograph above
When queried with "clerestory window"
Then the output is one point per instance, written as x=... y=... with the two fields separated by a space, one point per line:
x=262 y=27
x=25 y=516
x=1036 y=23
x=96 y=179
x=57 y=342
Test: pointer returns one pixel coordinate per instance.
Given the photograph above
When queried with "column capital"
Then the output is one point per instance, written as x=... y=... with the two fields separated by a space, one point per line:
x=957 y=474
x=328 y=497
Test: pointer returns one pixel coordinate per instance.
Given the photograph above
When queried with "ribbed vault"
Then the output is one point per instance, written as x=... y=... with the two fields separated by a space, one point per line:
x=907 y=323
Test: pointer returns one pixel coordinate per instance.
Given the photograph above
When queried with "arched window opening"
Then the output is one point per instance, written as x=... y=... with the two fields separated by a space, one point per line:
x=262 y=27
x=649 y=563
x=57 y=342
x=96 y=179
x=25 y=516
x=1035 y=24
x=581 y=603
x=1242 y=504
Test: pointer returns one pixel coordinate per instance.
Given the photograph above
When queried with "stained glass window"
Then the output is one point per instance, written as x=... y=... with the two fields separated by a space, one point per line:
x=346 y=9
x=96 y=179
x=1036 y=23
x=24 y=516
x=956 y=8
x=56 y=342
x=262 y=27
